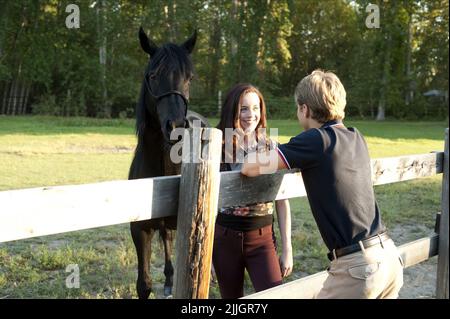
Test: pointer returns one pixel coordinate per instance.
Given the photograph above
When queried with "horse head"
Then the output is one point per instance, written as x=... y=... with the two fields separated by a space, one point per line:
x=165 y=89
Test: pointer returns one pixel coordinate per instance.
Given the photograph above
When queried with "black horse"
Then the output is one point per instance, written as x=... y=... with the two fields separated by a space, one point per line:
x=162 y=107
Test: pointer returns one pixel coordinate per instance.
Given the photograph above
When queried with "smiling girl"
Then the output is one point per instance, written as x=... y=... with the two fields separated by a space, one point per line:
x=244 y=237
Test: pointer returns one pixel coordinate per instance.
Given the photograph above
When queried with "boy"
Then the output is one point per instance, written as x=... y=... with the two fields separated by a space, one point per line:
x=335 y=165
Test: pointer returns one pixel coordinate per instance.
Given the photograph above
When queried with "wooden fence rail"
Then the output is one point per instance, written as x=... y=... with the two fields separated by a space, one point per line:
x=27 y=213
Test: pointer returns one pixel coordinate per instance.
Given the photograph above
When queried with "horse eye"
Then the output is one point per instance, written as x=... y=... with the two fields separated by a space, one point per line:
x=152 y=76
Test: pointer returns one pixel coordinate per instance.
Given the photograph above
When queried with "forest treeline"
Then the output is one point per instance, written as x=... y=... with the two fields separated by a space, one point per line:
x=398 y=70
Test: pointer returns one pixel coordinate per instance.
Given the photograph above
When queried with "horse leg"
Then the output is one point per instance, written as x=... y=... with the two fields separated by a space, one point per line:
x=167 y=237
x=142 y=238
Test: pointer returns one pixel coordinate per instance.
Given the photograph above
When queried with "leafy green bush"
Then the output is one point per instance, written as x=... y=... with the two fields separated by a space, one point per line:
x=46 y=106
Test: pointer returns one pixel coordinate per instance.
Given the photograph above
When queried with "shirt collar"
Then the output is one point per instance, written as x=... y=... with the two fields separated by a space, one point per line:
x=331 y=123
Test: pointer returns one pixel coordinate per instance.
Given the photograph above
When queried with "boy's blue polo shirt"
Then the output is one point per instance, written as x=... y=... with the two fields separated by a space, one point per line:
x=336 y=170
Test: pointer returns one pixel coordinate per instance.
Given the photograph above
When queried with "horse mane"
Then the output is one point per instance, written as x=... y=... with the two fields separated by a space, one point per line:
x=167 y=59
x=170 y=58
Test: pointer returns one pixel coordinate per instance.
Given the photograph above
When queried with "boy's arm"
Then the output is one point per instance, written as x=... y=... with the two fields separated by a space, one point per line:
x=262 y=163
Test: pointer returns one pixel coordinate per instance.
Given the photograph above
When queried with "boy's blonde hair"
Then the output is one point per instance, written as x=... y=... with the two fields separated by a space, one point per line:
x=324 y=94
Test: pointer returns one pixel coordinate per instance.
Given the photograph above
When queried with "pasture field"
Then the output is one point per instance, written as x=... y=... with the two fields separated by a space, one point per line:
x=44 y=151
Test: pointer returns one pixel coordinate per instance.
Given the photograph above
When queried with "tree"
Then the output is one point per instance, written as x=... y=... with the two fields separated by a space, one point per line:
x=97 y=70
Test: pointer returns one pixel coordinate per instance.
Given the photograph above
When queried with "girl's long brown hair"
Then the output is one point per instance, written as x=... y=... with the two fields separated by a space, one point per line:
x=231 y=110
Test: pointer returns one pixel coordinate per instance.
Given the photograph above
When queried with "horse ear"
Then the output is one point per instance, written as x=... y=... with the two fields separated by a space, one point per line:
x=190 y=43
x=147 y=45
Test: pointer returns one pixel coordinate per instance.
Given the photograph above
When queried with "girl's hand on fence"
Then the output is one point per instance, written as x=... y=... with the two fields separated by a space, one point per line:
x=286 y=262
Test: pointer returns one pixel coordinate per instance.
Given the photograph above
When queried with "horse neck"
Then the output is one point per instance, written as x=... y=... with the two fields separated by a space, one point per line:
x=169 y=167
x=155 y=152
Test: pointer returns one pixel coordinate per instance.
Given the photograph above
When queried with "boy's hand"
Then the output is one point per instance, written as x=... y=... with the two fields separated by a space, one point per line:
x=262 y=163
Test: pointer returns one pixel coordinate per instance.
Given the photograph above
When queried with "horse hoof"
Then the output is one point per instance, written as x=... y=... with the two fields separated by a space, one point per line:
x=168 y=292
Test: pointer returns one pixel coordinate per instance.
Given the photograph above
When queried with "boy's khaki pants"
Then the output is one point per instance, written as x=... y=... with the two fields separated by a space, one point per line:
x=374 y=272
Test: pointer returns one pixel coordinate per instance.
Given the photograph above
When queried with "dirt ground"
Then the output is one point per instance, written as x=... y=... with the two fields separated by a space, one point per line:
x=419 y=280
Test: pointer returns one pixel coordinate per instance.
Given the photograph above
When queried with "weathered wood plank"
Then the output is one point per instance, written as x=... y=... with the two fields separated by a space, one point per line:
x=419 y=250
x=306 y=288
x=402 y=168
x=236 y=189
x=442 y=285
x=51 y=210
x=199 y=195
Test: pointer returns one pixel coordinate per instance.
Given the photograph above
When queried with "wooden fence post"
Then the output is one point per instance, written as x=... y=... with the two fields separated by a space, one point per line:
x=442 y=270
x=197 y=208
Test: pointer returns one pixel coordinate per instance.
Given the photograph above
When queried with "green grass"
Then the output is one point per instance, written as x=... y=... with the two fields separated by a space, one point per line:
x=42 y=151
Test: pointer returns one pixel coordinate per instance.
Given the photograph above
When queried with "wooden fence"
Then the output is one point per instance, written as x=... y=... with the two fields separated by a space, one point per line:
x=194 y=196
